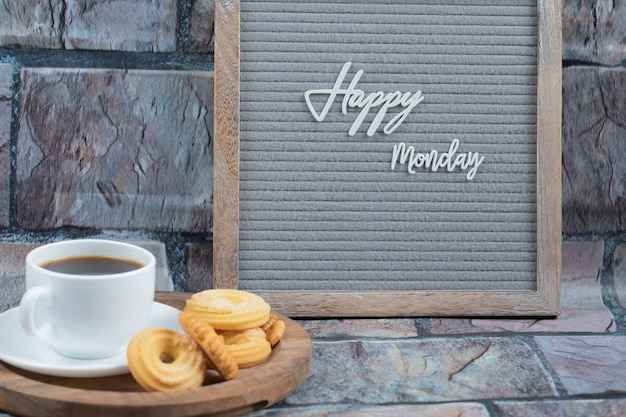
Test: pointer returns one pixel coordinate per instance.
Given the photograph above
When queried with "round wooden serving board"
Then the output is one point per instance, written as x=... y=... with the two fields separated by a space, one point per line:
x=30 y=394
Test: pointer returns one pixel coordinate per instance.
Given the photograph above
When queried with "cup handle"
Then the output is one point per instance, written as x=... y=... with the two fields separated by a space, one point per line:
x=27 y=313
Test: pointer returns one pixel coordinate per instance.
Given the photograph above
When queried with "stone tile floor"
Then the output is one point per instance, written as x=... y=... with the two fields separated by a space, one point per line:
x=574 y=365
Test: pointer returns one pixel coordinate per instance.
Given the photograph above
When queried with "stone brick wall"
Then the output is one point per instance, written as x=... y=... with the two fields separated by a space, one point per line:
x=594 y=134
x=594 y=117
x=106 y=129
x=106 y=124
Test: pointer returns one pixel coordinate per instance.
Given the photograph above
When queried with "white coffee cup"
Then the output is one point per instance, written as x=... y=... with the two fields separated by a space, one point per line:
x=87 y=315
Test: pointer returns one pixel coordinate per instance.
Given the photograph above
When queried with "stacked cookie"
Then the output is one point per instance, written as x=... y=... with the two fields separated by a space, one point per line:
x=225 y=330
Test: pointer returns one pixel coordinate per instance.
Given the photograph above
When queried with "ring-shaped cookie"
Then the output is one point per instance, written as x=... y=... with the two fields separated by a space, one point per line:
x=210 y=342
x=163 y=360
x=248 y=347
x=226 y=309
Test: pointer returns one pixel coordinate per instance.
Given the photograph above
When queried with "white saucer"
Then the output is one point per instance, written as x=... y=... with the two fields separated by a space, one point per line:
x=22 y=350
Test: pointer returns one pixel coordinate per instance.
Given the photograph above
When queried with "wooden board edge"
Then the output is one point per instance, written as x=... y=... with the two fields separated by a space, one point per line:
x=226 y=146
x=549 y=152
x=413 y=304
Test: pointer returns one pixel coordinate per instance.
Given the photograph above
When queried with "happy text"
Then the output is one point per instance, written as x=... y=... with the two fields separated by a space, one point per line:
x=353 y=97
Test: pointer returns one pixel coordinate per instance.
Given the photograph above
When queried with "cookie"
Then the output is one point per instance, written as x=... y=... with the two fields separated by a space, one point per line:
x=163 y=360
x=220 y=358
x=226 y=309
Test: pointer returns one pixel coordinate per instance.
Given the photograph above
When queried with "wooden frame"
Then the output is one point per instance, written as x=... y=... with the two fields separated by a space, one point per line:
x=545 y=301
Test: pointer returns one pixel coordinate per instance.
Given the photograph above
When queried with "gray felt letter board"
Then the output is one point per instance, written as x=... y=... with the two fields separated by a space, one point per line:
x=399 y=157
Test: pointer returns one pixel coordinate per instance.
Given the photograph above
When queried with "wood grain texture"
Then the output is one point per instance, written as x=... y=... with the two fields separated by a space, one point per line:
x=545 y=301
x=226 y=145
x=549 y=181
x=27 y=393
x=410 y=304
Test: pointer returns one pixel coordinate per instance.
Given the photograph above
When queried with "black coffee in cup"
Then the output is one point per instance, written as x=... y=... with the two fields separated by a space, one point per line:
x=91 y=265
